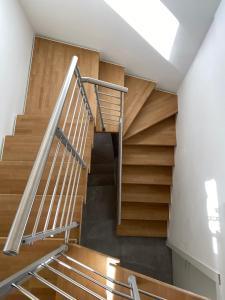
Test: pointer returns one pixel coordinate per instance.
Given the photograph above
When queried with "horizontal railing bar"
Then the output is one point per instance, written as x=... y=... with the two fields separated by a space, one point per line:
x=6 y=285
x=105 y=84
x=29 y=239
x=25 y=292
x=106 y=101
x=52 y=286
x=92 y=279
x=65 y=141
x=109 y=108
x=74 y=282
x=151 y=295
x=104 y=113
x=109 y=95
x=95 y=271
x=17 y=229
x=110 y=278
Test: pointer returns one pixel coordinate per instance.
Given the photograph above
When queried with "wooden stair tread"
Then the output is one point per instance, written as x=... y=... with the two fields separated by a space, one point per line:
x=159 y=106
x=145 y=211
x=142 y=228
x=161 y=134
x=35 y=125
x=148 y=155
x=147 y=175
x=10 y=202
x=25 y=148
x=14 y=176
x=145 y=193
x=138 y=92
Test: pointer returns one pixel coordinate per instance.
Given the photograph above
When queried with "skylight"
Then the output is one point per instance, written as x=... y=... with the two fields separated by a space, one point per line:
x=152 y=20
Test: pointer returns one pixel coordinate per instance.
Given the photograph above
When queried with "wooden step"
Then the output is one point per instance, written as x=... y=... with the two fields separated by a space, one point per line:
x=144 y=211
x=14 y=176
x=138 y=92
x=9 y=204
x=27 y=124
x=33 y=125
x=161 y=134
x=147 y=175
x=158 y=107
x=145 y=193
x=25 y=148
x=114 y=74
x=142 y=228
x=148 y=155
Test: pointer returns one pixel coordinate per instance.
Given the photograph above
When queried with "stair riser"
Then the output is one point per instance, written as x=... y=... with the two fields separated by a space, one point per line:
x=147 y=175
x=10 y=203
x=146 y=155
x=142 y=228
x=13 y=179
x=27 y=151
x=145 y=211
x=145 y=193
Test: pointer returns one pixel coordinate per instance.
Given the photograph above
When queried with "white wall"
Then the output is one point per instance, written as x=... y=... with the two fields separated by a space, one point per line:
x=197 y=224
x=16 y=40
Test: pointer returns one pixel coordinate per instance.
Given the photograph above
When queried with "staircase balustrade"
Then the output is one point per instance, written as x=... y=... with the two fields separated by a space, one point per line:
x=54 y=263
x=62 y=157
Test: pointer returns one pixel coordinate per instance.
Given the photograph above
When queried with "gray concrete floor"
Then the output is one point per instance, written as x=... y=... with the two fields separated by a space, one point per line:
x=149 y=256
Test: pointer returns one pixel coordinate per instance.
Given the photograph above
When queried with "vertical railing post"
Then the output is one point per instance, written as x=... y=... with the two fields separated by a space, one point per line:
x=99 y=109
x=134 y=289
x=120 y=160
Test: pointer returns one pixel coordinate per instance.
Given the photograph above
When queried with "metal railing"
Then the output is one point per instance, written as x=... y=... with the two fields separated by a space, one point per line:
x=58 y=263
x=110 y=104
x=57 y=169
x=48 y=204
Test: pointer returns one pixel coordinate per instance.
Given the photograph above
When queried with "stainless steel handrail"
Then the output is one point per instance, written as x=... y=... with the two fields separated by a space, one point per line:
x=105 y=84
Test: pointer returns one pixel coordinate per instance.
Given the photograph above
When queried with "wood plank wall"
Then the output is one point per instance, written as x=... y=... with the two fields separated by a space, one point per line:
x=49 y=66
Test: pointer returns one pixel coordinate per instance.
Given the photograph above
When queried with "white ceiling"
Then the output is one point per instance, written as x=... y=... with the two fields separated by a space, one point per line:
x=93 y=24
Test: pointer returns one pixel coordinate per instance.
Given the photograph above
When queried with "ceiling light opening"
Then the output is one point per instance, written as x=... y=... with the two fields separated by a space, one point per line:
x=150 y=19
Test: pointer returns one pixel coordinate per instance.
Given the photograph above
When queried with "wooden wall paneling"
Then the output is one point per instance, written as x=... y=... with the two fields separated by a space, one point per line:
x=49 y=65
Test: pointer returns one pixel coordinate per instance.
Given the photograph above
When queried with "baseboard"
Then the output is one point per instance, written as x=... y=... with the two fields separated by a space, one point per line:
x=208 y=271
